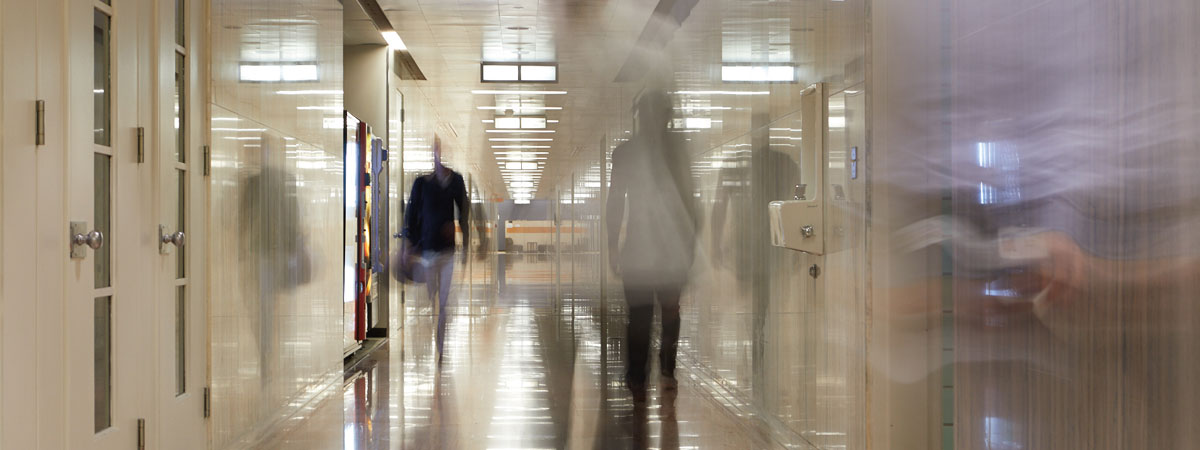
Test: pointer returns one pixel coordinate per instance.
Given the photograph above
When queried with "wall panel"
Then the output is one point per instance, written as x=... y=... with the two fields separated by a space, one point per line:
x=275 y=206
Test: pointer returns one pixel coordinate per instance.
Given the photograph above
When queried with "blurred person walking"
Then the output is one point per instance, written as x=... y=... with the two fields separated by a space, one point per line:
x=429 y=229
x=651 y=174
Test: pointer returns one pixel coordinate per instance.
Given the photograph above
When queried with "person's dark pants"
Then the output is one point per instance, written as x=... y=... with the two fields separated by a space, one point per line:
x=640 y=300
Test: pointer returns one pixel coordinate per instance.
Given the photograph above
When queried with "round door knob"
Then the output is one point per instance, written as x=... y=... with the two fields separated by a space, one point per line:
x=807 y=231
x=93 y=239
x=176 y=238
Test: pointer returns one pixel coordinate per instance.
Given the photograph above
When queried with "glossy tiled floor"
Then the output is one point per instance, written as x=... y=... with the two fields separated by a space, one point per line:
x=520 y=371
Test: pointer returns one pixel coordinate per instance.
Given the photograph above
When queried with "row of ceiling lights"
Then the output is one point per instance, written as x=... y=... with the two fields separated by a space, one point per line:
x=521 y=159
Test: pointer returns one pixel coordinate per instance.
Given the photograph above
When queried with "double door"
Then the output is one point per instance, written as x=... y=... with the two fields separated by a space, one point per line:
x=119 y=326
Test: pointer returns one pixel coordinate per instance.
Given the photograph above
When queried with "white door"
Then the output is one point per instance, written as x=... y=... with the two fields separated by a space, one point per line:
x=181 y=313
x=109 y=316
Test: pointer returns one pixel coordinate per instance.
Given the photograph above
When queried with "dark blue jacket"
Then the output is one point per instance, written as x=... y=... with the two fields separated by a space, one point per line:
x=429 y=218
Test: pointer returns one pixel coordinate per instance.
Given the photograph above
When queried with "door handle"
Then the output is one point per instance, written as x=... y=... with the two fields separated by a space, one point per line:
x=175 y=238
x=80 y=237
x=165 y=238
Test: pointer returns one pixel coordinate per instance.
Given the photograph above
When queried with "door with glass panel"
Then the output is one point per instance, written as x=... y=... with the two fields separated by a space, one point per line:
x=181 y=315
x=109 y=314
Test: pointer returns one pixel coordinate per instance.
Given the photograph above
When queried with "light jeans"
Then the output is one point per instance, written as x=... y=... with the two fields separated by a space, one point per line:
x=439 y=272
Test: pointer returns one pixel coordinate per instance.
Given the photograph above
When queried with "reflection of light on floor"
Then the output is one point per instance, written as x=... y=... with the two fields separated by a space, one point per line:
x=521 y=416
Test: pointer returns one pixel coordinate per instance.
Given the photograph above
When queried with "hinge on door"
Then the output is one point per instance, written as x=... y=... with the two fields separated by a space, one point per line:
x=141 y=145
x=207 y=402
x=40 y=123
x=141 y=437
x=207 y=161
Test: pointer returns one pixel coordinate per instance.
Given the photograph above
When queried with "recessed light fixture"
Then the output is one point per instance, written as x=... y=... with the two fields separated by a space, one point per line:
x=520 y=108
x=758 y=74
x=311 y=92
x=516 y=165
x=520 y=131
x=724 y=93
x=493 y=72
x=528 y=123
x=519 y=146
x=703 y=108
x=394 y=41
x=693 y=123
x=319 y=108
x=498 y=92
x=521 y=139
x=278 y=72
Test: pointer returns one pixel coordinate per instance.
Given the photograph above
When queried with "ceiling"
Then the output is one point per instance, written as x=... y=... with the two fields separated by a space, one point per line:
x=592 y=40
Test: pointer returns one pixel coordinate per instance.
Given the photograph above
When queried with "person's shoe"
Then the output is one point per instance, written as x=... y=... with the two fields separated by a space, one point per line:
x=637 y=389
x=639 y=394
x=668 y=383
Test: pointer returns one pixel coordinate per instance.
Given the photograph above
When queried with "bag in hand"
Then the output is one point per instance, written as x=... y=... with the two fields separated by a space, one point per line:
x=406 y=264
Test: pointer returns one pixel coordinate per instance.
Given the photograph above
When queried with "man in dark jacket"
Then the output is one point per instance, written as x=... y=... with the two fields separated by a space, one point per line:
x=429 y=228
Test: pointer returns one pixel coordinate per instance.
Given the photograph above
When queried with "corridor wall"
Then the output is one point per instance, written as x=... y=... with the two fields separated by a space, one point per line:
x=276 y=202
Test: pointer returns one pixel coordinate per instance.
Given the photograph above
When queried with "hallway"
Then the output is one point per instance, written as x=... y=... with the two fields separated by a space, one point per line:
x=872 y=224
x=520 y=371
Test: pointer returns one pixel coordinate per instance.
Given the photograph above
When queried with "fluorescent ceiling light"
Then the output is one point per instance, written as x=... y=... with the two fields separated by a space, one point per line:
x=518 y=146
x=521 y=139
x=508 y=122
x=259 y=73
x=519 y=72
x=311 y=92
x=496 y=72
x=539 y=73
x=724 y=93
x=524 y=184
x=515 y=165
x=759 y=74
x=494 y=92
x=704 y=108
x=319 y=108
x=394 y=41
x=693 y=123
x=521 y=201
x=520 y=108
x=521 y=122
x=488 y=121
x=520 y=131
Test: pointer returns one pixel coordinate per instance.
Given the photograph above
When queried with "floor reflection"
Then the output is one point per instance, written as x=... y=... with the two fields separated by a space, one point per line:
x=526 y=372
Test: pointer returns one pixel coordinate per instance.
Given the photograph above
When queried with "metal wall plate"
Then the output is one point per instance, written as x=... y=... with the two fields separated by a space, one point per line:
x=77 y=228
x=163 y=248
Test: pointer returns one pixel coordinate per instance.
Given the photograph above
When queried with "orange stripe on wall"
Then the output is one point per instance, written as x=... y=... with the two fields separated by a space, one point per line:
x=541 y=230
